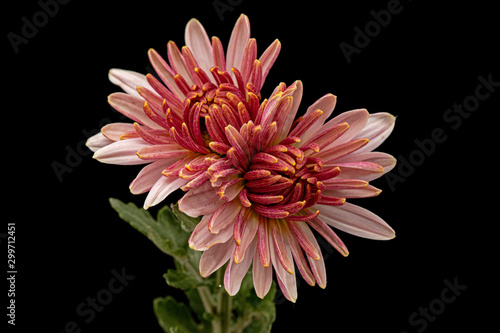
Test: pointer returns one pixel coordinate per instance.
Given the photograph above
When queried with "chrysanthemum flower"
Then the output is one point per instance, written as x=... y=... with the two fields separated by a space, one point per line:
x=203 y=90
x=276 y=180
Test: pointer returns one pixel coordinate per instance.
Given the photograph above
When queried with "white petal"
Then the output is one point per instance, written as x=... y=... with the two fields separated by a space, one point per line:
x=237 y=43
x=198 y=42
x=161 y=189
x=202 y=200
x=122 y=152
x=97 y=141
x=216 y=256
x=356 y=221
x=128 y=80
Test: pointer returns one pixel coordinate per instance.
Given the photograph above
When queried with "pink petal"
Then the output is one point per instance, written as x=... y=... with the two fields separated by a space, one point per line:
x=128 y=80
x=198 y=42
x=131 y=107
x=290 y=116
x=286 y=281
x=235 y=272
x=356 y=119
x=178 y=63
x=329 y=235
x=386 y=161
x=356 y=221
x=263 y=246
x=281 y=250
x=325 y=104
x=262 y=277
x=115 y=130
x=317 y=265
x=358 y=170
x=122 y=152
x=297 y=230
x=165 y=73
x=161 y=189
x=169 y=150
x=378 y=127
x=216 y=256
x=224 y=217
x=268 y=58
x=333 y=153
x=149 y=175
x=237 y=43
x=364 y=192
x=219 y=56
x=248 y=232
x=201 y=239
x=301 y=262
x=97 y=141
x=202 y=200
x=237 y=141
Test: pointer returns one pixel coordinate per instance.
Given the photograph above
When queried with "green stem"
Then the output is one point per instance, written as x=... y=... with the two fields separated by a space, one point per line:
x=224 y=303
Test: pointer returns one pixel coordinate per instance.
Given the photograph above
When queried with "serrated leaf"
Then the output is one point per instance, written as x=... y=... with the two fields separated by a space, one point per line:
x=174 y=316
x=188 y=223
x=166 y=234
x=183 y=281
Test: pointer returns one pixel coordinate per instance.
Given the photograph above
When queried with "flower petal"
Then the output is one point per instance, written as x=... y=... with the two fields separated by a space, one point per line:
x=161 y=189
x=262 y=277
x=325 y=104
x=165 y=73
x=148 y=176
x=248 y=232
x=202 y=239
x=97 y=141
x=356 y=119
x=268 y=58
x=286 y=281
x=362 y=192
x=386 y=161
x=198 y=42
x=378 y=127
x=216 y=256
x=224 y=217
x=122 y=152
x=236 y=272
x=237 y=43
x=115 y=130
x=202 y=200
x=131 y=107
x=356 y=221
x=128 y=80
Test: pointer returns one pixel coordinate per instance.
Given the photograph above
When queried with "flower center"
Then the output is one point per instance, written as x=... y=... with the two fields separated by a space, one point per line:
x=220 y=105
x=281 y=181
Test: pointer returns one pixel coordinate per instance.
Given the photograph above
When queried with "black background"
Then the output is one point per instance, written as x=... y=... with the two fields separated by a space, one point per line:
x=425 y=60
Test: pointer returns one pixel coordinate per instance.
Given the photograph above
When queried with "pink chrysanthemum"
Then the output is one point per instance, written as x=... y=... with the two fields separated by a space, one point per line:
x=202 y=90
x=276 y=179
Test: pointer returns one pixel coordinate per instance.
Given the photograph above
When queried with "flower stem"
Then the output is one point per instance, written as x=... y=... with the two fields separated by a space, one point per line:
x=224 y=303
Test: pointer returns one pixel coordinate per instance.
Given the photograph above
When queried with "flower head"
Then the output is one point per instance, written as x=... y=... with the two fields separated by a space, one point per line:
x=200 y=89
x=276 y=179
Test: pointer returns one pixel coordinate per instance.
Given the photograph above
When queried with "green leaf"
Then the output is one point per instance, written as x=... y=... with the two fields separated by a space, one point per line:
x=166 y=234
x=255 y=314
x=188 y=223
x=173 y=316
x=177 y=279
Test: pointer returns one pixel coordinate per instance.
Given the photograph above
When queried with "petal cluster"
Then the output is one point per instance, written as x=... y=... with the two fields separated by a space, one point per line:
x=277 y=179
x=199 y=91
